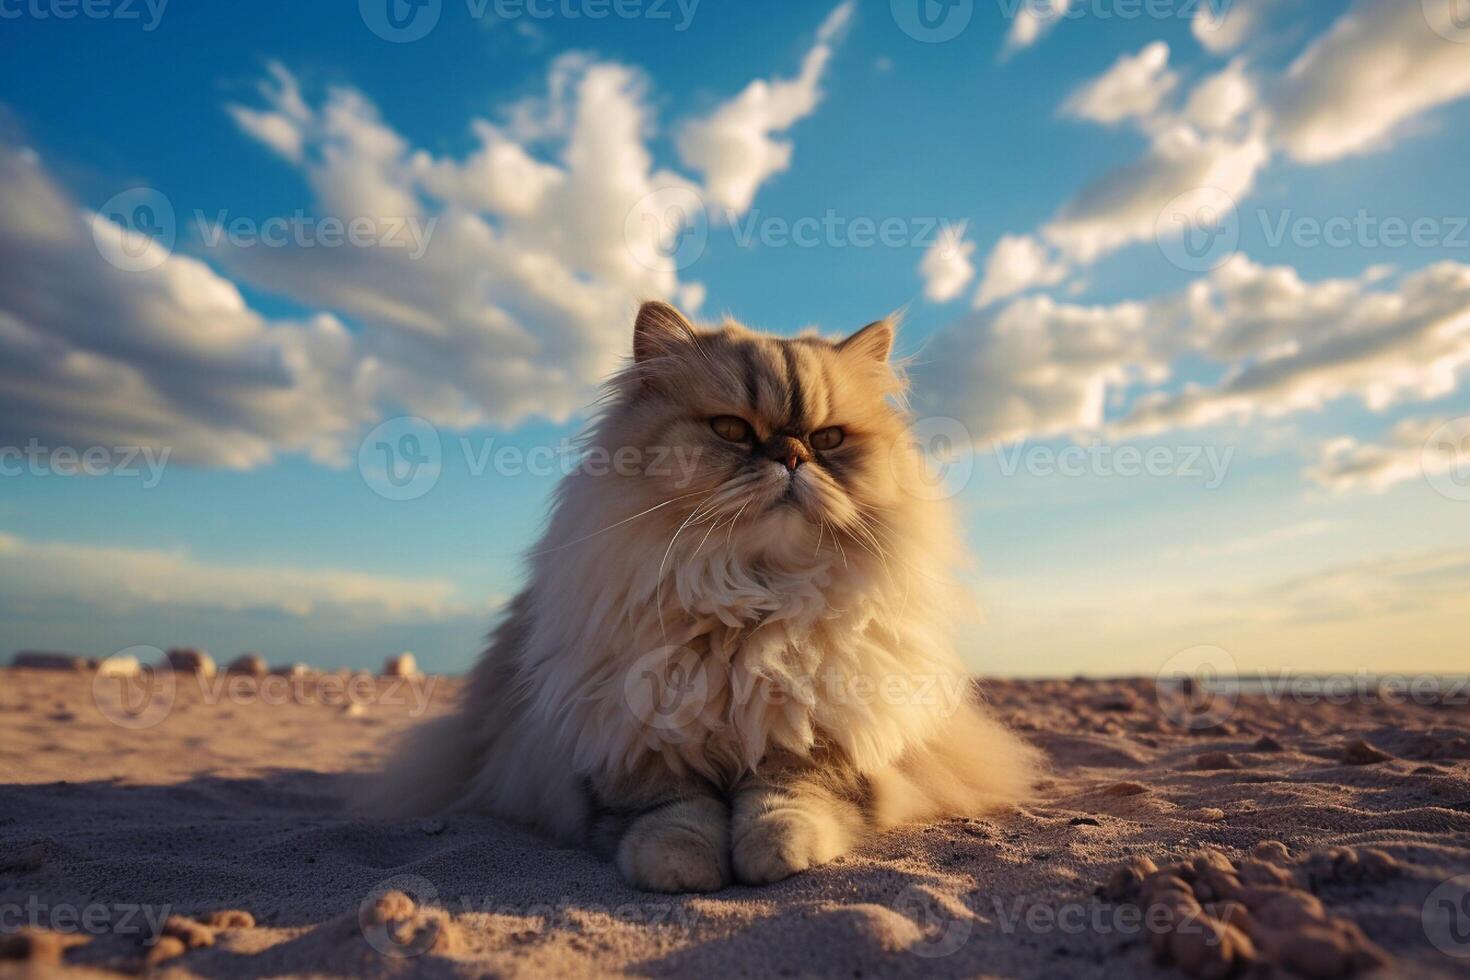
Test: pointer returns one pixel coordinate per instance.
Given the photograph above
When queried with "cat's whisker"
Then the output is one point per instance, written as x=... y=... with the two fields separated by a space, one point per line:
x=658 y=588
x=626 y=520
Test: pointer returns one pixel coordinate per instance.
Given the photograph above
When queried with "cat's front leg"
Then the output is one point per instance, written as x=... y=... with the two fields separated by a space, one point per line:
x=664 y=837
x=793 y=821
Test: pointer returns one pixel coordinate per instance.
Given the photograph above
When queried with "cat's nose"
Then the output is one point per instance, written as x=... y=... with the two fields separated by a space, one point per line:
x=787 y=451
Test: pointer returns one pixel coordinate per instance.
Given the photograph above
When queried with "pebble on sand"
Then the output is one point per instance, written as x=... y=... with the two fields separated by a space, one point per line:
x=1217 y=760
x=249 y=664
x=1267 y=743
x=190 y=933
x=167 y=948
x=230 y=919
x=403 y=665
x=1245 y=916
x=118 y=665
x=38 y=947
x=1359 y=753
x=187 y=660
x=1125 y=789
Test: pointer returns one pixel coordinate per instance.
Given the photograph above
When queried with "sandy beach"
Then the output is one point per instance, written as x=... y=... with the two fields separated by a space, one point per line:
x=130 y=841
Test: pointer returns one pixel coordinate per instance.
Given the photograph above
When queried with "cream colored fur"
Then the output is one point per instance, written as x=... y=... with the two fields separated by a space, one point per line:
x=703 y=681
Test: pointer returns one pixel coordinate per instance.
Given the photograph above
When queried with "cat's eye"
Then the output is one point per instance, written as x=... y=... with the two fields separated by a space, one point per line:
x=828 y=438
x=730 y=428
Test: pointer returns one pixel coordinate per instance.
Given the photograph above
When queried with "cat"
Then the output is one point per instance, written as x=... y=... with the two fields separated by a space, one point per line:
x=739 y=669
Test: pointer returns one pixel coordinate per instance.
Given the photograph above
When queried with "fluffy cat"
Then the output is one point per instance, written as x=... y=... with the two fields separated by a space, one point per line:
x=739 y=667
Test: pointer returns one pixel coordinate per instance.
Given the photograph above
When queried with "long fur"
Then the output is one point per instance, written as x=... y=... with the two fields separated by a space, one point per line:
x=684 y=627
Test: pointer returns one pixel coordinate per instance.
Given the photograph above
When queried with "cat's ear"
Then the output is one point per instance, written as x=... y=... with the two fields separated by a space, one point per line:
x=874 y=342
x=658 y=331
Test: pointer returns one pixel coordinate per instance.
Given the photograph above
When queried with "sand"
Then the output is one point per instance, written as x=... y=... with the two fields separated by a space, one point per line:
x=230 y=802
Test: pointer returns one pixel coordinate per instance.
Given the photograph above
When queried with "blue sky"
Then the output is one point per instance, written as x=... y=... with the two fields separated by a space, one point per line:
x=1057 y=315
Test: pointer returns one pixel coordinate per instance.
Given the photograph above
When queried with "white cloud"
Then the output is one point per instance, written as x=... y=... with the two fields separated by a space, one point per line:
x=1345 y=465
x=1036 y=367
x=1133 y=88
x=1041 y=368
x=1033 y=20
x=1380 y=586
x=93 y=355
x=1380 y=65
x=736 y=146
x=1016 y=264
x=1224 y=25
x=1303 y=345
x=1122 y=207
x=517 y=299
x=946 y=266
x=125 y=579
x=1222 y=99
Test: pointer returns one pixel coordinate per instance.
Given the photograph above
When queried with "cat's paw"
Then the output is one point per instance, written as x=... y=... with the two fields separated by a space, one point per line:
x=778 y=844
x=672 y=859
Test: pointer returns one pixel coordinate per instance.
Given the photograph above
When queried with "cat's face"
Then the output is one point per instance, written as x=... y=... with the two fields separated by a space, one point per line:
x=782 y=438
